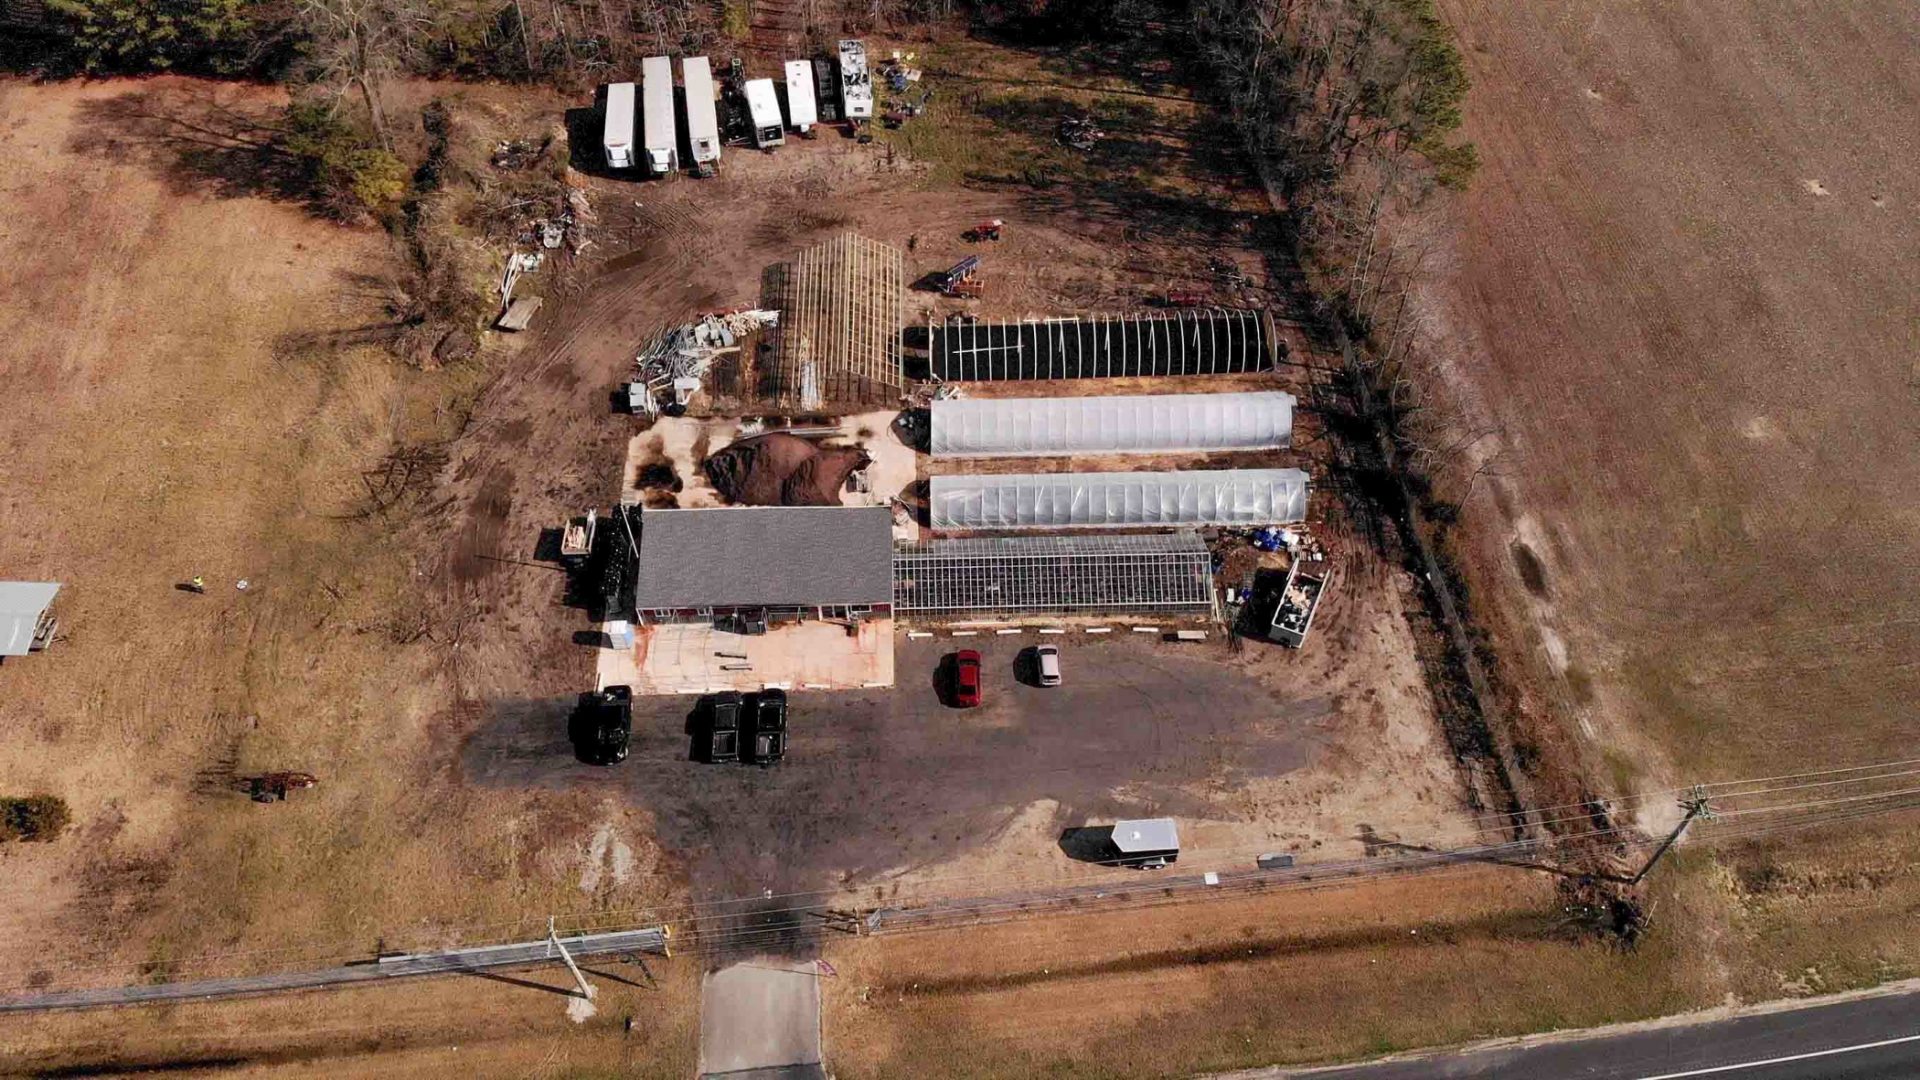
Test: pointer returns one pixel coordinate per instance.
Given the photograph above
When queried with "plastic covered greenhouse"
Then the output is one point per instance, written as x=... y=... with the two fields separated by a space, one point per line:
x=1119 y=499
x=1140 y=424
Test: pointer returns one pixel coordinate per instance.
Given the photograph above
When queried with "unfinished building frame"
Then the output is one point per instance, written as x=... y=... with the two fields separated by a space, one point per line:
x=1242 y=497
x=842 y=305
x=1206 y=342
x=1166 y=574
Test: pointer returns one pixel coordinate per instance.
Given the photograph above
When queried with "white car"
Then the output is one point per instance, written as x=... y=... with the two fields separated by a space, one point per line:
x=1049 y=658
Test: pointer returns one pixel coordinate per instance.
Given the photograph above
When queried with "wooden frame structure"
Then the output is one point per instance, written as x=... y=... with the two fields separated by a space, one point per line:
x=842 y=307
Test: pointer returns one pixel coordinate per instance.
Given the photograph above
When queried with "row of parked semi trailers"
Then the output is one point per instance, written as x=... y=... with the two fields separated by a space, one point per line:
x=659 y=145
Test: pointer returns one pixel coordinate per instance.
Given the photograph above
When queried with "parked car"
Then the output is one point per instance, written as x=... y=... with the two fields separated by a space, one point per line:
x=1048 y=657
x=966 y=678
x=769 y=743
x=601 y=727
x=723 y=727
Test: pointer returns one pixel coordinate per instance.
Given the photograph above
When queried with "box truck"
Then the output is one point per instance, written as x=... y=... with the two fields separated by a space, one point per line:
x=703 y=126
x=617 y=139
x=656 y=115
x=802 y=110
x=763 y=110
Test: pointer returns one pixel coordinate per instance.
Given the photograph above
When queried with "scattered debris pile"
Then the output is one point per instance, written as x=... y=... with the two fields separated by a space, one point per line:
x=1079 y=132
x=676 y=361
x=778 y=469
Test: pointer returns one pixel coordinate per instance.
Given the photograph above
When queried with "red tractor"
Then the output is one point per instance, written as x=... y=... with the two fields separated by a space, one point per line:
x=984 y=231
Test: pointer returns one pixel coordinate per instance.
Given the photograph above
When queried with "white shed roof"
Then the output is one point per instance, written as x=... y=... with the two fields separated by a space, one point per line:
x=1137 y=424
x=763 y=104
x=801 y=107
x=21 y=603
x=1119 y=499
x=1146 y=834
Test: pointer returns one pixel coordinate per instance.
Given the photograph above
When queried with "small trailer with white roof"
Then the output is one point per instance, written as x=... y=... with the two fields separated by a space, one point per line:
x=802 y=110
x=662 y=137
x=616 y=140
x=763 y=110
x=703 y=125
x=856 y=82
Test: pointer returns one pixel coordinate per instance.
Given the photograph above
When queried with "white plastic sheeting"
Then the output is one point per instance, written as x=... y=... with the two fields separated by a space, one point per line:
x=1118 y=499
x=1141 y=424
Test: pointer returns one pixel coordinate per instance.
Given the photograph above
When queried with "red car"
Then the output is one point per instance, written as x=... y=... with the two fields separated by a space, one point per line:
x=966 y=679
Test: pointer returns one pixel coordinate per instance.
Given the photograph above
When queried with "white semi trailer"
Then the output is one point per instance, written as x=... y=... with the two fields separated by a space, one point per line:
x=763 y=108
x=703 y=126
x=802 y=110
x=617 y=137
x=656 y=92
x=856 y=82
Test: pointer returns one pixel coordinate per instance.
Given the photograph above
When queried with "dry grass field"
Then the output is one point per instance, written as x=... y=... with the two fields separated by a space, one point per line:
x=1684 y=285
x=161 y=424
x=1684 y=288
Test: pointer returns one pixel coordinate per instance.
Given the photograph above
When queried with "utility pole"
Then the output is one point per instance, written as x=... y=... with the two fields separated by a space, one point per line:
x=1697 y=805
x=553 y=942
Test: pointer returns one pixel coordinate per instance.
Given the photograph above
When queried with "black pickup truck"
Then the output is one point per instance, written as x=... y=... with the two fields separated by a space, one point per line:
x=601 y=727
x=769 y=743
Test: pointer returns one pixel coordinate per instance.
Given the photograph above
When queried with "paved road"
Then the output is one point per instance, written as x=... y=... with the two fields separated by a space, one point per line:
x=761 y=1018
x=459 y=961
x=1870 y=1038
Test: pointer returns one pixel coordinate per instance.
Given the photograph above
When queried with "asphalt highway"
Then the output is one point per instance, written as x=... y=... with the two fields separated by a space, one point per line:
x=1869 y=1038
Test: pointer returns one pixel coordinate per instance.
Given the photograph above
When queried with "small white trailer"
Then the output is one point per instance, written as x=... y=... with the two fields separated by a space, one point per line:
x=763 y=107
x=856 y=82
x=703 y=127
x=662 y=138
x=617 y=137
x=802 y=110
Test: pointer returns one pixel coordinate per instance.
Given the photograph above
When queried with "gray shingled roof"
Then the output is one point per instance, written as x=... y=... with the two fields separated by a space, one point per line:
x=774 y=556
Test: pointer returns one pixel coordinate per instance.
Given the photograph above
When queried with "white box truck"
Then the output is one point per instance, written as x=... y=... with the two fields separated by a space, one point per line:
x=703 y=125
x=763 y=108
x=802 y=110
x=656 y=115
x=856 y=83
x=617 y=137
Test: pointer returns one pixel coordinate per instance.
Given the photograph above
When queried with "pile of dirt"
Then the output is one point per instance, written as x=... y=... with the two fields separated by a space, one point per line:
x=777 y=469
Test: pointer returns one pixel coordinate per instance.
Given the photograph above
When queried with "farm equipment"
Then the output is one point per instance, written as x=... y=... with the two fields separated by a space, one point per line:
x=576 y=539
x=1229 y=273
x=984 y=231
x=959 y=279
x=273 y=787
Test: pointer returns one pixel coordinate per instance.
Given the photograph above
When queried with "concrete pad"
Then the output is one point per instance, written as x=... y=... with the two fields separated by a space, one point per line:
x=761 y=1014
x=684 y=659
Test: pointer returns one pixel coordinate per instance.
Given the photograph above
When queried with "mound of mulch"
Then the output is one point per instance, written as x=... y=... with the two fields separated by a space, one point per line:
x=777 y=469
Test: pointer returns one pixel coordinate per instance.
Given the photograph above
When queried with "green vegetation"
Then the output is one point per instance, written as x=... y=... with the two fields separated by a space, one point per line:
x=351 y=173
x=136 y=35
x=36 y=817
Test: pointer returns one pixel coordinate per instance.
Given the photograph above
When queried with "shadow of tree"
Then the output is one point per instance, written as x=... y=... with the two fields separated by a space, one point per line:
x=201 y=139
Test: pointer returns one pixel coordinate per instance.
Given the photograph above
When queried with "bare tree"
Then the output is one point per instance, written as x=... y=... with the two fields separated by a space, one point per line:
x=358 y=45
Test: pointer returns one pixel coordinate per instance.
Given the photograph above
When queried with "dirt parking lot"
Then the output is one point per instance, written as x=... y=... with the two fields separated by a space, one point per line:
x=897 y=788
